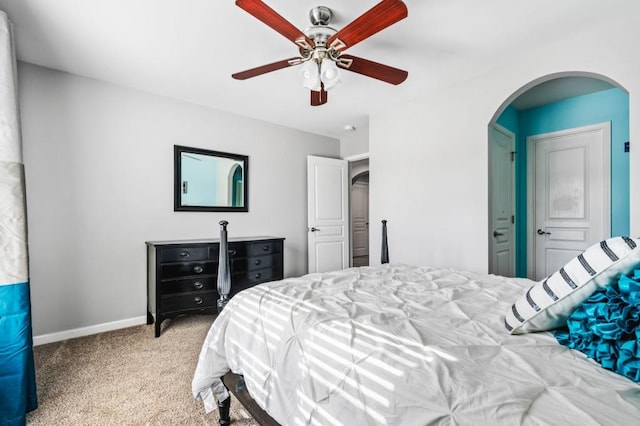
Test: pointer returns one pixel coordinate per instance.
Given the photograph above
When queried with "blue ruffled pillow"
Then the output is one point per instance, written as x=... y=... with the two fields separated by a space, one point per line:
x=606 y=327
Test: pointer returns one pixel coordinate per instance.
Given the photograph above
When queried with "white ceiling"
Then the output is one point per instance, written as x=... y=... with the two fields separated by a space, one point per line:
x=188 y=49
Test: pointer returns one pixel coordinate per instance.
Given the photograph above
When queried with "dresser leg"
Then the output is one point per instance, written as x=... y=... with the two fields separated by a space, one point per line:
x=225 y=408
x=157 y=327
x=149 y=318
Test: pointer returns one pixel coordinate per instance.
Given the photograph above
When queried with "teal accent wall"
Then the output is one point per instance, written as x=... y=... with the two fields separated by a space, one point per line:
x=509 y=119
x=606 y=106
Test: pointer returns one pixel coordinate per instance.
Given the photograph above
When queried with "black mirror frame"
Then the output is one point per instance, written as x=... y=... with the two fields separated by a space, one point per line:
x=177 y=179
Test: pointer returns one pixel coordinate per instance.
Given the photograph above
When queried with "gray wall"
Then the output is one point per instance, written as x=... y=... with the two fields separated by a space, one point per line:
x=99 y=174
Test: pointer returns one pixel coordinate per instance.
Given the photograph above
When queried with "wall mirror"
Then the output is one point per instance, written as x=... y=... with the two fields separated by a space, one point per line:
x=210 y=181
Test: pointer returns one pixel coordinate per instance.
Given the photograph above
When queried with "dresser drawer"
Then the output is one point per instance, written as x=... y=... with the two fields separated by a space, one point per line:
x=254 y=263
x=261 y=262
x=183 y=269
x=266 y=247
x=252 y=278
x=237 y=250
x=187 y=254
x=188 y=301
x=249 y=279
x=189 y=284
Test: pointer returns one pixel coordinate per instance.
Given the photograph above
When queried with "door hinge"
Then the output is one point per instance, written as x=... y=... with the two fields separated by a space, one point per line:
x=513 y=219
x=513 y=155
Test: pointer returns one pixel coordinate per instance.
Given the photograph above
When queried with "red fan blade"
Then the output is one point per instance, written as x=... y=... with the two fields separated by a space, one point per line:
x=253 y=72
x=270 y=17
x=318 y=98
x=372 y=69
x=379 y=17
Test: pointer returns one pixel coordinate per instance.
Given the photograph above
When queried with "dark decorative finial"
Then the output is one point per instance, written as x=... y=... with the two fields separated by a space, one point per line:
x=384 y=255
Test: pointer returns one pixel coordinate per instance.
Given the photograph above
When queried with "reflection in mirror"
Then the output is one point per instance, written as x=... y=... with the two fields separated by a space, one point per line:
x=207 y=180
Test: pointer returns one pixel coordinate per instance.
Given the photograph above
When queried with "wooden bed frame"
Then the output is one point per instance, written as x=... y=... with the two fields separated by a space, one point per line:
x=235 y=382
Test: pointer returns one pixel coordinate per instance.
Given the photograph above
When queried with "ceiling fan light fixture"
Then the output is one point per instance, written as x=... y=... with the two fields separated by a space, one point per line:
x=320 y=47
x=310 y=75
x=329 y=74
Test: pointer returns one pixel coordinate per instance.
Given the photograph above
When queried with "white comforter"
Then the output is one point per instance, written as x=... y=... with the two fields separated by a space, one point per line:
x=403 y=345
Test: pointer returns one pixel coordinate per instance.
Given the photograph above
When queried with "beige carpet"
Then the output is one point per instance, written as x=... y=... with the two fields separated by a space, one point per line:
x=126 y=377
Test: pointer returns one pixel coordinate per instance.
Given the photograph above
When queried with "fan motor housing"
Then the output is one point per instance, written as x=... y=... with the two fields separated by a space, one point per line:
x=320 y=15
x=320 y=31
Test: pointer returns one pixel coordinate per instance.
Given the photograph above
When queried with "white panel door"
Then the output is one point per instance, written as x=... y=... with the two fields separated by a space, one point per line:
x=572 y=201
x=502 y=216
x=328 y=214
x=360 y=220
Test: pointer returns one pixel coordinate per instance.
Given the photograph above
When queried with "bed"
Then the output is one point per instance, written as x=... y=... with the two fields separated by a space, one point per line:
x=413 y=345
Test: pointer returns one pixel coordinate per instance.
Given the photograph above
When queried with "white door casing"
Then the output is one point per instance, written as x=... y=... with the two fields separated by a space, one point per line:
x=360 y=218
x=328 y=214
x=569 y=195
x=502 y=205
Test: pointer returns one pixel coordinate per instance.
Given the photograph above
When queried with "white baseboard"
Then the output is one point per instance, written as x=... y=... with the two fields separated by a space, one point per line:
x=86 y=331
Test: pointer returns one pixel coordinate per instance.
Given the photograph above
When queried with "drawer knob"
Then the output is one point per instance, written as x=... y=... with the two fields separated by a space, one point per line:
x=258 y=275
x=198 y=269
x=265 y=248
x=198 y=300
x=198 y=285
x=257 y=262
x=184 y=254
x=232 y=252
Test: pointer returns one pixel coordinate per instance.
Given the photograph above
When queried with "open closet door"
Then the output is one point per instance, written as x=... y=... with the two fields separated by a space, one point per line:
x=328 y=214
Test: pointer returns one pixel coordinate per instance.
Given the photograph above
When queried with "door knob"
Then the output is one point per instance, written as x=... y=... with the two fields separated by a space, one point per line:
x=313 y=229
x=497 y=234
x=541 y=232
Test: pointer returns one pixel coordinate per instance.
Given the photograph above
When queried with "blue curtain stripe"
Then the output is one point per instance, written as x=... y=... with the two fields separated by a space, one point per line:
x=17 y=372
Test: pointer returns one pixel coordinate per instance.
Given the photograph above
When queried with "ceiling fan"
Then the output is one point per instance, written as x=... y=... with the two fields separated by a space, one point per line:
x=321 y=46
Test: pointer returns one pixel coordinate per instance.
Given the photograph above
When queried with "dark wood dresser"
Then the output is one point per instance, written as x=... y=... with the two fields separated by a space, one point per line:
x=182 y=274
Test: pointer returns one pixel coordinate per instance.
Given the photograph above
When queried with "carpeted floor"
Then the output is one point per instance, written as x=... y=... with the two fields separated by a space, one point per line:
x=126 y=377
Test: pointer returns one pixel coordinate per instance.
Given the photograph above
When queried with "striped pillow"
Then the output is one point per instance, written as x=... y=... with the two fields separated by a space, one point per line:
x=548 y=303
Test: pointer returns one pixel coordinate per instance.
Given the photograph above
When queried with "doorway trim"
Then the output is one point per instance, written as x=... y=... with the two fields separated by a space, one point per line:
x=356 y=157
x=606 y=196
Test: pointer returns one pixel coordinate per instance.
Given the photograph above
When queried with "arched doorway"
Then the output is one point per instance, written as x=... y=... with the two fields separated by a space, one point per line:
x=554 y=103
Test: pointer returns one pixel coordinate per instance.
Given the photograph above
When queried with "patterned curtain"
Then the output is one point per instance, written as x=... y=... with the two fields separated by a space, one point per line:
x=17 y=374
